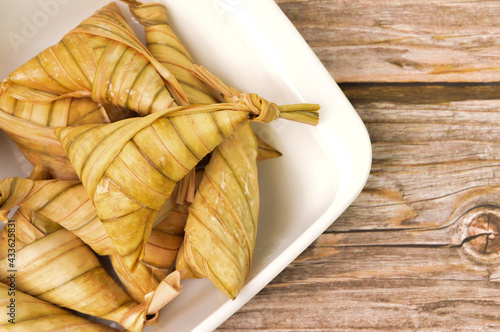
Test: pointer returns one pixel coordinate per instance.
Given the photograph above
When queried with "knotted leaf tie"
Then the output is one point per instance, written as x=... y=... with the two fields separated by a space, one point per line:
x=266 y=111
x=261 y=109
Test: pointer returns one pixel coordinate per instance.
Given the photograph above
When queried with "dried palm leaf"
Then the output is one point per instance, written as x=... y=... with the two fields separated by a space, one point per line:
x=102 y=59
x=222 y=224
x=25 y=230
x=100 y=62
x=162 y=246
x=31 y=314
x=160 y=252
x=59 y=268
x=138 y=283
x=59 y=113
x=305 y=113
x=142 y=281
x=129 y=168
x=39 y=145
x=266 y=151
x=166 y=47
x=64 y=202
x=37 y=140
x=166 y=238
x=165 y=241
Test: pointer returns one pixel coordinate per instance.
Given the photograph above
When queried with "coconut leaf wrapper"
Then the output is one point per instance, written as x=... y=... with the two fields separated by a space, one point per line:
x=27 y=229
x=32 y=314
x=28 y=225
x=102 y=59
x=30 y=125
x=138 y=283
x=39 y=145
x=99 y=63
x=160 y=253
x=167 y=48
x=221 y=228
x=59 y=268
x=161 y=247
x=129 y=168
x=303 y=112
x=142 y=281
x=64 y=202
x=59 y=113
x=165 y=241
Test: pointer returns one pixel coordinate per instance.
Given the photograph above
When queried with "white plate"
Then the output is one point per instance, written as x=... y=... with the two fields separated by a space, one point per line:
x=254 y=47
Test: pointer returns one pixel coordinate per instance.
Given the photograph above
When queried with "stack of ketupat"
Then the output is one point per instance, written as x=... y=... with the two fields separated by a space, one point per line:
x=140 y=155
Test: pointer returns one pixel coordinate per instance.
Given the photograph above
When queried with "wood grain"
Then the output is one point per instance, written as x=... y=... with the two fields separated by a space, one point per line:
x=399 y=257
x=419 y=249
x=402 y=41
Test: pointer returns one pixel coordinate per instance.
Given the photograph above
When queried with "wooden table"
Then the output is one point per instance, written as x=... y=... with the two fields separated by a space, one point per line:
x=419 y=249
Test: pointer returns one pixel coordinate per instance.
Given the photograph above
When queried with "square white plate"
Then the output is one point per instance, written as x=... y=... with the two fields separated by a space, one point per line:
x=254 y=47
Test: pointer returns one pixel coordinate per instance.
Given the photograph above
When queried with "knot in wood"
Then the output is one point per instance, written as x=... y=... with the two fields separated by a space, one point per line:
x=482 y=227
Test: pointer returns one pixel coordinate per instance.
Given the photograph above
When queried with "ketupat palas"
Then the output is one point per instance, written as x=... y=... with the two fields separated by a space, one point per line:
x=99 y=64
x=30 y=126
x=129 y=168
x=222 y=224
x=58 y=268
x=64 y=202
x=101 y=59
x=163 y=245
x=32 y=314
x=108 y=160
x=55 y=266
x=168 y=49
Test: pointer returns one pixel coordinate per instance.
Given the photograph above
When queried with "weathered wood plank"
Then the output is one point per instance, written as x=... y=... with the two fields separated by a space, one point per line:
x=406 y=254
x=374 y=289
x=402 y=41
x=418 y=249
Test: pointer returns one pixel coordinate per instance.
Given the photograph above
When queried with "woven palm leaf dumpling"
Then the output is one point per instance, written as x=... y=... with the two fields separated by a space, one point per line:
x=37 y=315
x=112 y=181
x=55 y=266
x=229 y=267
x=99 y=71
x=129 y=168
x=106 y=40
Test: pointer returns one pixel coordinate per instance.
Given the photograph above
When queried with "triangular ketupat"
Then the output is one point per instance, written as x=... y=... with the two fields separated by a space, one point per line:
x=37 y=315
x=54 y=265
x=98 y=66
x=129 y=168
x=167 y=48
x=102 y=59
x=64 y=202
x=221 y=228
